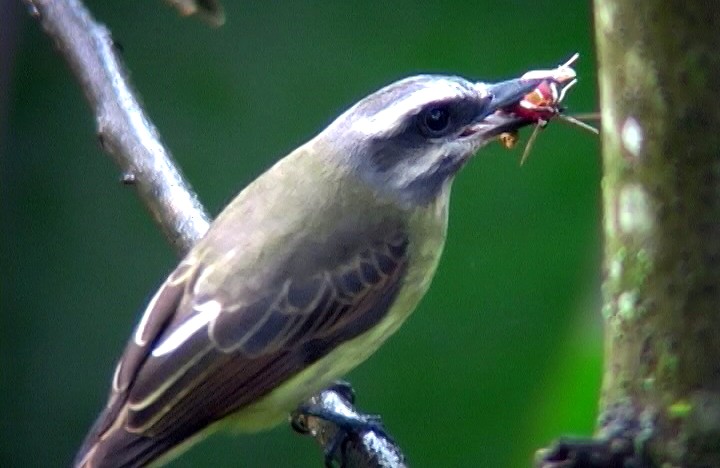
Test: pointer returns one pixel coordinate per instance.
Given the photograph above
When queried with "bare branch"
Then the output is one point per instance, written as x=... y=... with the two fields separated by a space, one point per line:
x=130 y=137
x=123 y=128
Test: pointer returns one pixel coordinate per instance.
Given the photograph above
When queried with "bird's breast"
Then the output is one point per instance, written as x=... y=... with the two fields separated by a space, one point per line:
x=427 y=227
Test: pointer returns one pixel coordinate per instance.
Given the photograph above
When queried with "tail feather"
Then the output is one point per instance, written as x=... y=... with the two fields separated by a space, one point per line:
x=116 y=447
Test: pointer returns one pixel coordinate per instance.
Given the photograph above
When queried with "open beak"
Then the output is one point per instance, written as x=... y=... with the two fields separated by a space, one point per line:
x=504 y=94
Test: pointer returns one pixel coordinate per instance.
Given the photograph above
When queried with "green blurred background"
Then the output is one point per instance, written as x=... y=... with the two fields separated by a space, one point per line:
x=504 y=353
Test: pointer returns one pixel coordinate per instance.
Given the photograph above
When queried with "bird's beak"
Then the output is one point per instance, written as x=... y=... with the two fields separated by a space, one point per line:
x=502 y=95
x=509 y=92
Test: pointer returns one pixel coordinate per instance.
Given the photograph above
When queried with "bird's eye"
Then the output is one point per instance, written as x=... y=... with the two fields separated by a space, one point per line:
x=435 y=121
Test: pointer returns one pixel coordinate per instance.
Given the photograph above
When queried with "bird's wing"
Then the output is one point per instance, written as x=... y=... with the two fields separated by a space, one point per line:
x=177 y=376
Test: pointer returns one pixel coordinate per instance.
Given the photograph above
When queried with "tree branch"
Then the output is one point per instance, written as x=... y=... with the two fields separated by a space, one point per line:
x=123 y=128
x=129 y=136
x=659 y=81
x=368 y=446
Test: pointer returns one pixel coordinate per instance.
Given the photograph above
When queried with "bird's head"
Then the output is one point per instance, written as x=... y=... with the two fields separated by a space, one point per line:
x=409 y=139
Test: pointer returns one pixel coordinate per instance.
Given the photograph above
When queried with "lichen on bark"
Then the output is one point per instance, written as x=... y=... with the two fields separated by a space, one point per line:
x=659 y=88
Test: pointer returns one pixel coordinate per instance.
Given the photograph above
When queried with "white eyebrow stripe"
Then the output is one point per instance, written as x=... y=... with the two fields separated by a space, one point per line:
x=207 y=312
x=388 y=118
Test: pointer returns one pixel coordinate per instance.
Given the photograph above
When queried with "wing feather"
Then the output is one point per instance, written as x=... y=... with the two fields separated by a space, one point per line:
x=246 y=348
x=281 y=332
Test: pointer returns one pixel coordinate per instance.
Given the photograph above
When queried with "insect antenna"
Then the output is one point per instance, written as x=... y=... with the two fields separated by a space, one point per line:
x=531 y=141
x=592 y=116
x=578 y=123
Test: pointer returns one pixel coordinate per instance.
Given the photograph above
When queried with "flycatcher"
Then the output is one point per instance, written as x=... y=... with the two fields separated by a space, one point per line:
x=303 y=275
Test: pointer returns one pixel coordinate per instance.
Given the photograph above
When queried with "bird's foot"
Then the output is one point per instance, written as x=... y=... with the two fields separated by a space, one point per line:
x=349 y=427
x=334 y=406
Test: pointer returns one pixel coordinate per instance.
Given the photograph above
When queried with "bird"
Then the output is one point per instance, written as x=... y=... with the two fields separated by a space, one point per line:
x=303 y=275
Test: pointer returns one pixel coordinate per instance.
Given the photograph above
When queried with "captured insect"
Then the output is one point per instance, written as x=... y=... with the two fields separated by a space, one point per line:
x=542 y=104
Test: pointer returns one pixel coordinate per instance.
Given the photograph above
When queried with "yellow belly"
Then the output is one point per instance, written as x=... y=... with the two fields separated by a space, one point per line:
x=428 y=226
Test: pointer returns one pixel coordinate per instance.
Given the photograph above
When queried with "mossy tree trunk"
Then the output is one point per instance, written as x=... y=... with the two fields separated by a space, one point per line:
x=660 y=101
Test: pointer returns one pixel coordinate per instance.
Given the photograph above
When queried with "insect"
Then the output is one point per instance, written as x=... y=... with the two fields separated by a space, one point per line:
x=509 y=139
x=542 y=104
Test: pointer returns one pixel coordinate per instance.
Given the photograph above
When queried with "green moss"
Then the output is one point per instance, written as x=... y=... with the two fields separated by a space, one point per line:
x=648 y=384
x=627 y=305
x=668 y=364
x=607 y=311
x=679 y=410
x=643 y=266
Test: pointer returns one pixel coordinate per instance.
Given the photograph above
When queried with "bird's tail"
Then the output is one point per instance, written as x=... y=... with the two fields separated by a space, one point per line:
x=116 y=447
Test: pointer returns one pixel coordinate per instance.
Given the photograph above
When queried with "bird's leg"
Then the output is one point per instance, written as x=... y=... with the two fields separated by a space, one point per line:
x=348 y=425
x=331 y=413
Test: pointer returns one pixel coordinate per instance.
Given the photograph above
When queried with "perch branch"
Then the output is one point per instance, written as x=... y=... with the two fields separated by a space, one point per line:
x=124 y=130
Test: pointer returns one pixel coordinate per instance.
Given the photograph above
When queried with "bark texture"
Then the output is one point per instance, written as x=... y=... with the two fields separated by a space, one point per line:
x=659 y=89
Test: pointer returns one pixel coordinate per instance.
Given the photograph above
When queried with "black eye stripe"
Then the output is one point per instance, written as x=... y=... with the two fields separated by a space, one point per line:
x=411 y=135
x=455 y=113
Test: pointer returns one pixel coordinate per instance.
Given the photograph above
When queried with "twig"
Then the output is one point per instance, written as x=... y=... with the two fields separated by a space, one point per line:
x=123 y=128
x=210 y=11
x=130 y=137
